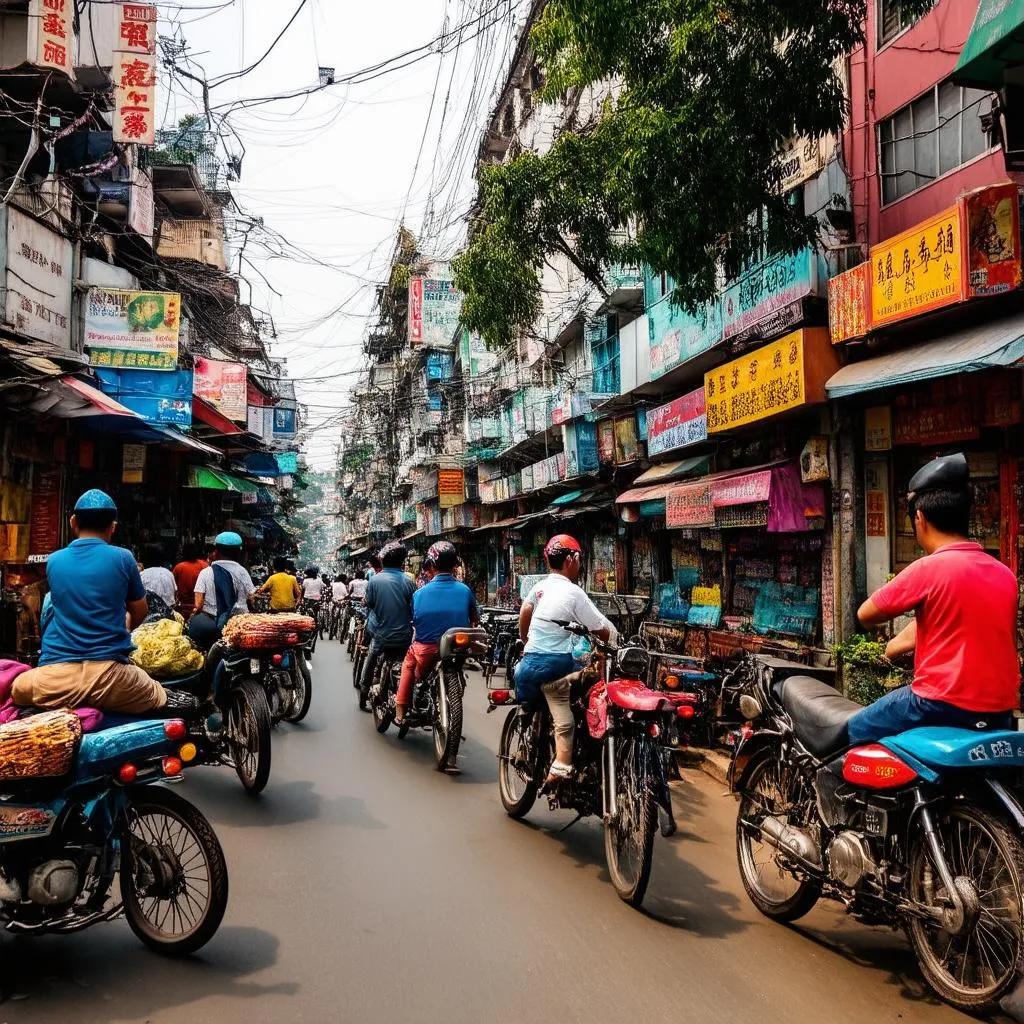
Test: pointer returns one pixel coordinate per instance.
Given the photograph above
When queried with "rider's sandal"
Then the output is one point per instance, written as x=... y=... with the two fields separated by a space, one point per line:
x=558 y=773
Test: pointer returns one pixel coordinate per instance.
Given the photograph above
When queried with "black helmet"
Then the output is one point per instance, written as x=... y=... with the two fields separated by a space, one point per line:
x=946 y=473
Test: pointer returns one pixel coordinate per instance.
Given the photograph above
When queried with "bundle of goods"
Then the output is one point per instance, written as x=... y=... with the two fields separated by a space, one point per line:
x=163 y=650
x=258 y=631
x=40 y=746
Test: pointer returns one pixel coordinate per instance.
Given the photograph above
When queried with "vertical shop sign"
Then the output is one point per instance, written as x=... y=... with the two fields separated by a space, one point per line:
x=137 y=29
x=993 y=231
x=133 y=463
x=135 y=98
x=627 y=446
x=44 y=528
x=451 y=487
x=415 y=311
x=848 y=304
x=606 y=442
x=55 y=38
x=878 y=428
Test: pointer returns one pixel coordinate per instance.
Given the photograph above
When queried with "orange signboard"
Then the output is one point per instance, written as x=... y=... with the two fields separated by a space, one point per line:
x=848 y=304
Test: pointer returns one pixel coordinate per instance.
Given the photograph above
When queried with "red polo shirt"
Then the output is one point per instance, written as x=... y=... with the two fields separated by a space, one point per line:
x=966 y=609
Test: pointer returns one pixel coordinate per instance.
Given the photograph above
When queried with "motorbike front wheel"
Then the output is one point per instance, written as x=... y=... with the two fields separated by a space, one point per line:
x=248 y=732
x=302 y=696
x=174 y=878
x=383 y=714
x=448 y=737
x=629 y=835
x=518 y=771
x=972 y=970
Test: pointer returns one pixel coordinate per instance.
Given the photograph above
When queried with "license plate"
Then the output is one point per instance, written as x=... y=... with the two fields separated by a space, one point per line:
x=254 y=666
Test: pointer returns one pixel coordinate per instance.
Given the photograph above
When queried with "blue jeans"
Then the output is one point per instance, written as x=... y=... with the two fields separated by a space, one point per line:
x=537 y=669
x=902 y=709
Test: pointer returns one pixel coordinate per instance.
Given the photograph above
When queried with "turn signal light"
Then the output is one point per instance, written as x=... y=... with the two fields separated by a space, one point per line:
x=127 y=774
x=277 y=658
x=499 y=696
x=461 y=639
x=171 y=766
x=175 y=729
x=876 y=767
x=671 y=682
x=187 y=752
x=686 y=711
x=292 y=638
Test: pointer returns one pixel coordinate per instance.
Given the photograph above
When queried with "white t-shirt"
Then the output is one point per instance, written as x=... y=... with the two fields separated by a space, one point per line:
x=339 y=591
x=556 y=597
x=161 y=582
x=206 y=589
x=313 y=588
x=357 y=589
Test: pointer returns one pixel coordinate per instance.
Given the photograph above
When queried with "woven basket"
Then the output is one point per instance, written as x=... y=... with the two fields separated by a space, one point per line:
x=40 y=747
x=259 y=632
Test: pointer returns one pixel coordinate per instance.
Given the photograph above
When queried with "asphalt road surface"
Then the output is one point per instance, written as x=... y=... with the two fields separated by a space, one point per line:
x=366 y=887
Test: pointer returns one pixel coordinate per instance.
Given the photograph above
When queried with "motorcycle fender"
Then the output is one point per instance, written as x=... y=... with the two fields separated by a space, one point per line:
x=748 y=751
x=1008 y=801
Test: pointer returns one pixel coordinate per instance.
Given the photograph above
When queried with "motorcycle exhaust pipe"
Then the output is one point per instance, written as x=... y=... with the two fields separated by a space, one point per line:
x=791 y=841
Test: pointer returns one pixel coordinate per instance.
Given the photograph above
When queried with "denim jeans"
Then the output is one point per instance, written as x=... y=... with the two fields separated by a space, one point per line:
x=902 y=709
x=537 y=669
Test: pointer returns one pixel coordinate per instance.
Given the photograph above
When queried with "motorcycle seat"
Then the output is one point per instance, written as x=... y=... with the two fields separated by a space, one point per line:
x=632 y=695
x=196 y=684
x=820 y=714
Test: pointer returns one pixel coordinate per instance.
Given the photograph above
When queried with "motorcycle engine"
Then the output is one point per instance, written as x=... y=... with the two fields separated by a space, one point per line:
x=849 y=859
x=53 y=883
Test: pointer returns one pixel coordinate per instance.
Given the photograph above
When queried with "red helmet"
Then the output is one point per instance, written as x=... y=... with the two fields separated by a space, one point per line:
x=562 y=542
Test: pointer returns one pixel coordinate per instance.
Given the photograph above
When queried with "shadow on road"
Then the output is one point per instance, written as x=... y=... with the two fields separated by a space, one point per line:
x=478 y=764
x=50 y=976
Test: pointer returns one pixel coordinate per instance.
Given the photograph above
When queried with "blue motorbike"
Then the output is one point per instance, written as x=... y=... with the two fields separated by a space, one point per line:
x=89 y=837
x=921 y=831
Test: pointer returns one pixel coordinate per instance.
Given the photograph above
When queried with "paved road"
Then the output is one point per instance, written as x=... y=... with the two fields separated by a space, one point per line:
x=366 y=887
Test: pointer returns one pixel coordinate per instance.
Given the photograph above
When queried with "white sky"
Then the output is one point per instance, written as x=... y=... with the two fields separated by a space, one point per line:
x=332 y=172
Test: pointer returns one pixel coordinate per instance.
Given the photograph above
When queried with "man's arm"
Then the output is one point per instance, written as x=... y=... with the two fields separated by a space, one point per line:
x=904 y=642
x=587 y=615
x=135 y=599
x=902 y=594
x=525 y=617
x=296 y=590
x=137 y=611
x=870 y=614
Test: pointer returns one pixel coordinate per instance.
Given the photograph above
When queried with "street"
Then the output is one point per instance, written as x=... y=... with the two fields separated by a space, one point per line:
x=366 y=887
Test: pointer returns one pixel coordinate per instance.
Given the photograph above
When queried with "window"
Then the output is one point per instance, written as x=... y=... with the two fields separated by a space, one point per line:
x=893 y=18
x=931 y=136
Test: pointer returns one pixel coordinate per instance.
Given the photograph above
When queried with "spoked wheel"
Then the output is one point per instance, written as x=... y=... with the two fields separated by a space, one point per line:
x=518 y=771
x=248 y=736
x=775 y=886
x=383 y=711
x=357 y=665
x=174 y=879
x=448 y=736
x=629 y=835
x=302 y=695
x=973 y=969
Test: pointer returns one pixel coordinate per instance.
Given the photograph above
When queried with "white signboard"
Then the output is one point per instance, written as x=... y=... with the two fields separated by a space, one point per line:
x=39 y=280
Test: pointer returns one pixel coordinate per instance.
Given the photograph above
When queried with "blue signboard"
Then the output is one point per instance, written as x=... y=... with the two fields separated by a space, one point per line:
x=677 y=336
x=586 y=446
x=284 y=422
x=288 y=463
x=770 y=291
x=440 y=366
x=158 y=396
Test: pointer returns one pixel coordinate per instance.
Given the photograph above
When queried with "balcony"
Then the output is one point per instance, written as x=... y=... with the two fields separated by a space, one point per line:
x=607 y=366
x=625 y=287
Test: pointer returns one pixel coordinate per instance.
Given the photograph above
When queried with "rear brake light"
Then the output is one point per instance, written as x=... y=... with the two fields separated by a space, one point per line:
x=499 y=696
x=461 y=639
x=292 y=638
x=876 y=767
x=277 y=658
x=127 y=774
x=171 y=766
x=686 y=711
x=175 y=729
x=654 y=729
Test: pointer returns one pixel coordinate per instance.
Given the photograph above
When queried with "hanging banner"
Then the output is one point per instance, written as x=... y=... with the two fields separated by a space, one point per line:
x=45 y=522
x=55 y=37
x=451 y=487
x=606 y=441
x=627 y=445
x=132 y=329
x=40 y=274
x=222 y=384
x=993 y=231
x=689 y=505
x=133 y=463
x=746 y=489
x=135 y=98
x=848 y=304
x=680 y=423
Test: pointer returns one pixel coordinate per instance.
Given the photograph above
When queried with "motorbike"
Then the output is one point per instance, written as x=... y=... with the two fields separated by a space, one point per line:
x=920 y=831
x=622 y=757
x=100 y=841
x=505 y=648
x=360 y=648
x=436 y=699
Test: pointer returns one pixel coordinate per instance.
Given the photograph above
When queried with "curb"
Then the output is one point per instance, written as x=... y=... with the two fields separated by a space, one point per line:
x=714 y=763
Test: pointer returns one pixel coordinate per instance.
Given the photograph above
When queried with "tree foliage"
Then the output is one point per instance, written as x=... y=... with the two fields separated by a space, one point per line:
x=706 y=95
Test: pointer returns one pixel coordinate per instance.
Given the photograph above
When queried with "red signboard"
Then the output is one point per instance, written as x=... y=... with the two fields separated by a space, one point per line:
x=44 y=530
x=677 y=424
x=993 y=232
x=55 y=39
x=606 y=441
x=415 y=310
x=741 y=490
x=848 y=304
x=689 y=505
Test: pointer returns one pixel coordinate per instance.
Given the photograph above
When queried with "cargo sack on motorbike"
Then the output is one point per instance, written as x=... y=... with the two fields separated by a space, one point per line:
x=39 y=747
x=261 y=631
x=163 y=651
x=597 y=711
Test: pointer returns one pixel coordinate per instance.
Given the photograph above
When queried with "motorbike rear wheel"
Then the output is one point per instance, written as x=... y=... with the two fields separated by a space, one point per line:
x=357 y=665
x=629 y=836
x=380 y=705
x=302 y=696
x=447 y=740
x=248 y=736
x=518 y=771
x=174 y=878
x=972 y=971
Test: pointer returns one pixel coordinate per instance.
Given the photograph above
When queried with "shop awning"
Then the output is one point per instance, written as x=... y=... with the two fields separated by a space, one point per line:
x=414 y=535
x=672 y=471
x=206 y=414
x=637 y=494
x=358 y=552
x=996 y=42
x=501 y=524
x=567 y=499
x=206 y=479
x=236 y=483
x=180 y=440
x=974 y=348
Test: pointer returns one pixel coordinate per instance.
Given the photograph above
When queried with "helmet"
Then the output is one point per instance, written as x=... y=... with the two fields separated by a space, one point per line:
x=562 y=542
x=947 y=473
x=96 y=499
x=443 y=556
x=228 y=539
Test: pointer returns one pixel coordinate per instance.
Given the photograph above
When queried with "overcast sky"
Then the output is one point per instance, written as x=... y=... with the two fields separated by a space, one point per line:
x=333 y=172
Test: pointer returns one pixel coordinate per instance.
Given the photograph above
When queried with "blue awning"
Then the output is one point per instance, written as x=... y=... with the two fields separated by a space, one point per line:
x=981 y=347
x=567 y=499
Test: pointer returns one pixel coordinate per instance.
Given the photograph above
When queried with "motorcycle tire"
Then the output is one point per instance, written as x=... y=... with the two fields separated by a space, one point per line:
x=519 y=724
x=636 y=813
x=357 y=667
x=807 y=891
x=990 y=851
x=446 y=741
x=303 y=693
x=137 y=867
x=383 y=716
x=248 y=710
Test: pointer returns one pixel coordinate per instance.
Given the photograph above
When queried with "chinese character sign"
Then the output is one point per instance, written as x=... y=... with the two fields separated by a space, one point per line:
x=848 y=304
x=137 y=29
x=415 y=311
x=55 y=39
x=919 y=270
x=135 y=98
x=680 y=423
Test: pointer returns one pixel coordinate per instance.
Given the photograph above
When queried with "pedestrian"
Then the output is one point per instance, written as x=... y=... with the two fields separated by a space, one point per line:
x=185 y=573
x=156 y=577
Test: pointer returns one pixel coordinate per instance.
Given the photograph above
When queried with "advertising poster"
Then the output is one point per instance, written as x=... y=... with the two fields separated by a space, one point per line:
x=132 y=329
x=222 y=384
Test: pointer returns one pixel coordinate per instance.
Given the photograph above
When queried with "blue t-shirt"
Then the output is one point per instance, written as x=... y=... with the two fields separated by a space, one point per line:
x=442 y=604
x=91 y=582
x=389 y=600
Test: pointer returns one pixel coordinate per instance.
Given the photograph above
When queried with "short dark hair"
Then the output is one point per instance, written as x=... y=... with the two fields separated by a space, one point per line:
x=280 y=564
x=152 y=555
x=376 y=563
x=395 y=556
x=446 y=561
x=556 y=559
x=191 y=551
x=98 y=519
x=946 y=511
x=229 y=551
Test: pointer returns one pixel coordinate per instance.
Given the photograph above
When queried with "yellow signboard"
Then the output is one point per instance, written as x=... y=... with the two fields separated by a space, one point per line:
x=918 y=271
x=786 y=374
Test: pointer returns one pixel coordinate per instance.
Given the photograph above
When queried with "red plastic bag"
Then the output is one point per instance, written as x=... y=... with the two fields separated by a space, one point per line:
x=597 y=711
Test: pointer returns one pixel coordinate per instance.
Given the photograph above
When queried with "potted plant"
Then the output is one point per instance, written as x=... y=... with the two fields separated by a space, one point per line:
x=866 y=672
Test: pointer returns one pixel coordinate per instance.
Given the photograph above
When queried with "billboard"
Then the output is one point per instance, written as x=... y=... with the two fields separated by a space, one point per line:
x=132 y=329
x=222 y=384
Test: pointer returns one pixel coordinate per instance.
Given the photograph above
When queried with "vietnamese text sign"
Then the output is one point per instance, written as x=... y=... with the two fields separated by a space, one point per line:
x=223 y=386
x=689 y=505
x=785 y=374
x=919 y=270
x=677 y=424
x=848 y=304
x=135 y=98
x=451 y=487
x=39 y=279
x=54 y=34
x=766 y=290
x=132 y=329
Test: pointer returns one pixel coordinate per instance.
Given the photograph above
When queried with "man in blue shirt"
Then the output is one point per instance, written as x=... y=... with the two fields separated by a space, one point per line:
x=388 y=602
x=96 y=597
x=438 y=606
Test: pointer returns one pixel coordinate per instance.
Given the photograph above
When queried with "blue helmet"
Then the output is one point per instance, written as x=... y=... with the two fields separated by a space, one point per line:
x=228 y=539
x=95 y=499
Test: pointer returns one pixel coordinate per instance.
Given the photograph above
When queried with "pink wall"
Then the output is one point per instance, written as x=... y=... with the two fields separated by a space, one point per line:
x=882 y=81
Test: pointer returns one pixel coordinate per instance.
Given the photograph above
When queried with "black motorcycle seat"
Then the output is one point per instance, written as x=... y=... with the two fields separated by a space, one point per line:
x=197 y=684
x=819 y=713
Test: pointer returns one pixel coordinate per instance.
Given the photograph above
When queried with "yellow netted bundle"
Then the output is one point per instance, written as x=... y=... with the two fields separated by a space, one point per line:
x=40 y=747
x=255 y=632
x=162 y=650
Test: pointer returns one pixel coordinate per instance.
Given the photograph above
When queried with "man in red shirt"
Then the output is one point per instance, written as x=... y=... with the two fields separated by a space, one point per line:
x=966 y=670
